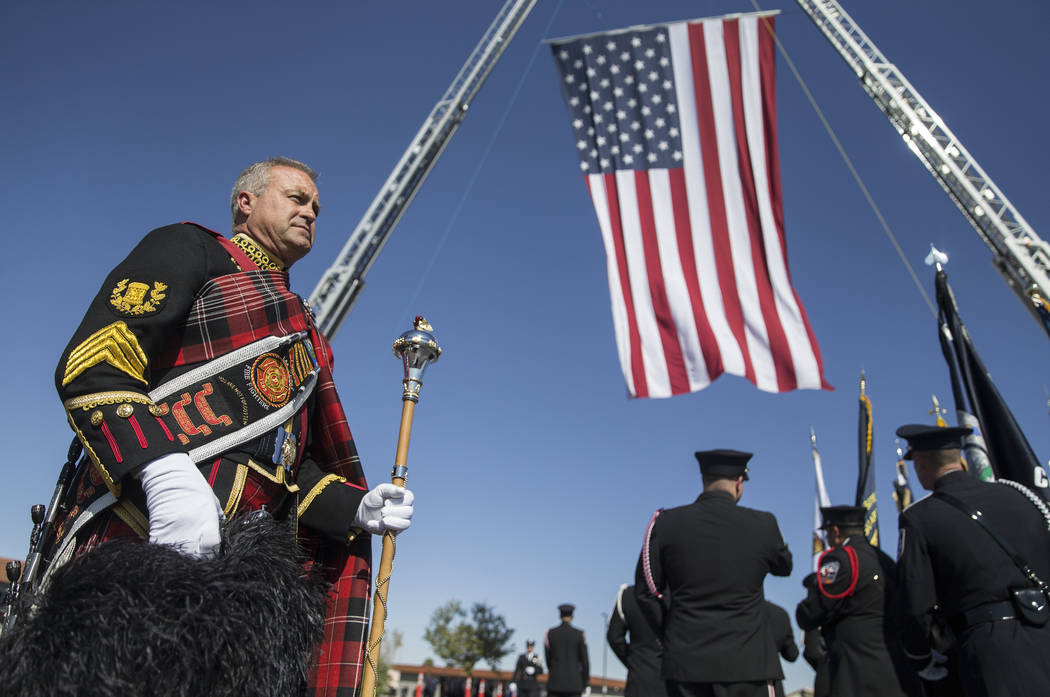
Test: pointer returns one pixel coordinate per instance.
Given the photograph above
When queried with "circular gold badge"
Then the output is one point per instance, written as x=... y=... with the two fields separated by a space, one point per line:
x=271 y=379
x=96 y=418
x=125 y=410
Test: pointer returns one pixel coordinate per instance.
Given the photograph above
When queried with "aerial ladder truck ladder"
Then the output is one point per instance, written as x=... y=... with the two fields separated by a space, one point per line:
x=1019 y=254
x=341 y=283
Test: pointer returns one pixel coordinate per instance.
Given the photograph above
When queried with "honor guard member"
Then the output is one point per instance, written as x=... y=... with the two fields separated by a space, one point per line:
x=699 y=578
x=778 y=624
x=847 y=600
x=527 y=671
x=950 y=564
x=200 y=388
x=566 y=650
x=640 y=655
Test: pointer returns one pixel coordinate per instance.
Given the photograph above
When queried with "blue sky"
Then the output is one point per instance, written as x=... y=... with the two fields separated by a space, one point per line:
x=534 y=474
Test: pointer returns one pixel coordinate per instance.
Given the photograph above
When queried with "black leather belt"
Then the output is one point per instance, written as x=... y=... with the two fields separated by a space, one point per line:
x=989 y=612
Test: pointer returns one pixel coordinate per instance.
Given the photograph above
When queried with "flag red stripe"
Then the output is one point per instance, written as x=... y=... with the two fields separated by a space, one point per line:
x=778 y=344
x=676 y=371
x=715 y=196
x=641 y=387
x=708 y=342
x=768 y=71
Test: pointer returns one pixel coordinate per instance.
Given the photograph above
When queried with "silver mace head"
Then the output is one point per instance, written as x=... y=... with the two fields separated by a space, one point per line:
x=417 y=348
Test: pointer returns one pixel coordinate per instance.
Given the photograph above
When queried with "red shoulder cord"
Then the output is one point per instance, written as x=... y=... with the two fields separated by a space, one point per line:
x=854 y=573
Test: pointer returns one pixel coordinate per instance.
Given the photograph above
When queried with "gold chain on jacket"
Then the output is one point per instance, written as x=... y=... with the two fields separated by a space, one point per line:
x=256 y=253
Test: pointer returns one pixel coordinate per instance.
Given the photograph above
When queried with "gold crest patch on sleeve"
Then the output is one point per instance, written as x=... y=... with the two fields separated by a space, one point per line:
x=129 y=297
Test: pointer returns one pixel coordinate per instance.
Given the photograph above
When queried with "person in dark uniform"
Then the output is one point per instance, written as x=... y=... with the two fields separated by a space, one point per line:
x=816 y=656
x=699 y=580
x=527 y=672
x=566 y=651
x=778 y=624
x=847 y=600
x=949 y=565
x=641 y=655
x=200 y=388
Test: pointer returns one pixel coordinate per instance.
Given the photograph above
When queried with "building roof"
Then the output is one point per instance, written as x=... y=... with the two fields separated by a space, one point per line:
x=479 y=673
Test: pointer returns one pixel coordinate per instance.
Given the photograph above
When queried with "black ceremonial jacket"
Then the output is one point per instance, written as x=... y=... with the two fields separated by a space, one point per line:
x=847 y=600
x=706 y=563
x=566 y=651
x=815 y=655
x=641 y=655
x=779 y=627
x=128 y=344
x=948 y=561
x=522 y=676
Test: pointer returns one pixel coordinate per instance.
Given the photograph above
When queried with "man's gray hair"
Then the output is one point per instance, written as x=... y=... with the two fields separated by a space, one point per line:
x=255 y=178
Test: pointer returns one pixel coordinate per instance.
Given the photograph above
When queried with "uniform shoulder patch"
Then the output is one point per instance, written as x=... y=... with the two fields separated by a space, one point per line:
x=137 y=298
x=838 y=573
x=829 y=571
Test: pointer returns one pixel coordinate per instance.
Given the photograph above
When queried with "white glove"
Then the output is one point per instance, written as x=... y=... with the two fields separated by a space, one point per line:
x=587 y=691
x=183 y=511
x=387 y=507
x=513 y=687
x=935 y=669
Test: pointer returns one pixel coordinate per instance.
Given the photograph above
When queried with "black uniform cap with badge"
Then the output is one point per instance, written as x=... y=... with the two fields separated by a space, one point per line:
x=922 y=437
x=842 y=517
x=566 y=609
x=723 y=463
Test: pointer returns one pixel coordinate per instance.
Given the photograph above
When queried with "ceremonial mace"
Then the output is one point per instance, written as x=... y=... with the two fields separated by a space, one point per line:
x=417 y=349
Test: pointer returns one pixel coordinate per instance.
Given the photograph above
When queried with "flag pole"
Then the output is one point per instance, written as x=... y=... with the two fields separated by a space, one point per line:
x=820 y=499
x=866 y=495
x=901 y=490
x=938 y=412
x=417 y=349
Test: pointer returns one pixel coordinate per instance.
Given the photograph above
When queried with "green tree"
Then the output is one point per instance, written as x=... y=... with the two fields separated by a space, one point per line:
x=492 y=634
x=464 y=643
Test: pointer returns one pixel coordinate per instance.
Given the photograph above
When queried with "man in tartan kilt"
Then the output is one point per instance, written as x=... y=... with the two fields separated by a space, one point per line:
x=200 y=388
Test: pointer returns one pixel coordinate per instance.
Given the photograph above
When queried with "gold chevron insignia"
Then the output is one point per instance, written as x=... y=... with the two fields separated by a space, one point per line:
x=113 y=344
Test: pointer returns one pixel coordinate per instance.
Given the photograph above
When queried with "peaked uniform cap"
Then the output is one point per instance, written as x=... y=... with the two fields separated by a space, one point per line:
x=923 y=437
x=842 y=516
x=723 y=463
x=566 y=609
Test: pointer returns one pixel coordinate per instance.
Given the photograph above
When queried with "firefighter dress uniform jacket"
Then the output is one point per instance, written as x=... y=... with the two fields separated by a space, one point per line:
x=705 y=563
x=947 y=564
x=847 y=600
x=641 y=655
x=569 y=667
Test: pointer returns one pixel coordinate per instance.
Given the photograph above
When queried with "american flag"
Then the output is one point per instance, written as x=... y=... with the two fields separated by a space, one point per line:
x=675 y=128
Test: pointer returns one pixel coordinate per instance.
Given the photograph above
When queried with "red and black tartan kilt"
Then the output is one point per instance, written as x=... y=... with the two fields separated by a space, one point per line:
x=336 y=669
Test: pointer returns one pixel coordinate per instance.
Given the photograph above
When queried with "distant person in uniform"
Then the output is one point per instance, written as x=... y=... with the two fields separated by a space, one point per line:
x=527 y=672
x=566 y=651
x=640 y=652
x=816 y=656
x=847 y=598
x=699 y=579
x=778 y=624
x=950 y=564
